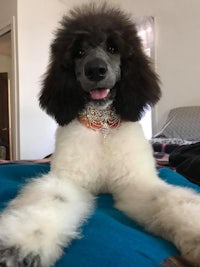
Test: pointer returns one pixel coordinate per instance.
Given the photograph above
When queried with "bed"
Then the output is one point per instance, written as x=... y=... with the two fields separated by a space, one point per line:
x=109 y=238
x=181 y=128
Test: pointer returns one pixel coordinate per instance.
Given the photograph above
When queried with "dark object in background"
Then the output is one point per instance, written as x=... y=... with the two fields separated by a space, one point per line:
x=186 y=160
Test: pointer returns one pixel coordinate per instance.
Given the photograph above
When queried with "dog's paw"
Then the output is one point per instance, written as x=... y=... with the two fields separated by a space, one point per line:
x=11 y=257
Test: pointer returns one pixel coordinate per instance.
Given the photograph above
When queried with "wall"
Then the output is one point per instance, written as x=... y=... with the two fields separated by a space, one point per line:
x=178 y=55
x=35 y=31
x=8 y=8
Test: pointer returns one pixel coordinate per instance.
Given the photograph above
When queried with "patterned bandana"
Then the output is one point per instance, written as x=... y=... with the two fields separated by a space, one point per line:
x=100 y=119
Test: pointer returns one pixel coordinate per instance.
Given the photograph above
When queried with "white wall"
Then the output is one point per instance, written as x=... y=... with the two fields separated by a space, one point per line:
x=178 y=55
x=8 y=8
x=36 y=23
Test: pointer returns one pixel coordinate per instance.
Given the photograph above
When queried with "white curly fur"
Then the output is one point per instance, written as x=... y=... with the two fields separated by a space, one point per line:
x=46 y=215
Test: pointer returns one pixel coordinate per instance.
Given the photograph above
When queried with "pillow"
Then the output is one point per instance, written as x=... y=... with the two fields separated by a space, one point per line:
x=182 y=123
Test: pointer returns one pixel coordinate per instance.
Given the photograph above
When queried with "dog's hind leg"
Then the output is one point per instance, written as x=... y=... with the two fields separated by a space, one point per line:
x=42 y=220
x=167 y=211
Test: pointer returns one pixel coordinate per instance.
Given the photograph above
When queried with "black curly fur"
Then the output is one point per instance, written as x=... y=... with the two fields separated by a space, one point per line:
x=138 y=88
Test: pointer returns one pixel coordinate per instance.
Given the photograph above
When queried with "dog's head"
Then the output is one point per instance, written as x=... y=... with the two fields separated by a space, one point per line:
x=97 y=56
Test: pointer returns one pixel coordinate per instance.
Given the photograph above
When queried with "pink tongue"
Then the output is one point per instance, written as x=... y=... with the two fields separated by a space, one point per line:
x=99 y=93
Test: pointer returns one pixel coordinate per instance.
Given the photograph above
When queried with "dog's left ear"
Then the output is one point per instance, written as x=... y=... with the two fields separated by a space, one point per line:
x=139 y=86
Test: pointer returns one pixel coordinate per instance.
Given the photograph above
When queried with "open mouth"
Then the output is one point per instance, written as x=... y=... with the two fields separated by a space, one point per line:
x=99 y=94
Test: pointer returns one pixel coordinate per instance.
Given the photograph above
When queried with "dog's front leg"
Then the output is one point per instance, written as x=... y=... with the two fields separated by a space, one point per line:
x=41 y=220
x=167 y=211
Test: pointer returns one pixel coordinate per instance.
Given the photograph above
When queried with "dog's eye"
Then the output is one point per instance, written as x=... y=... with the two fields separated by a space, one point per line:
x=112 y=49
x=80 y=53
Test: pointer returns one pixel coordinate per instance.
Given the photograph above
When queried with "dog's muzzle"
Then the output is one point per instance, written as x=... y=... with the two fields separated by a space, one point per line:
x=95 y=70
x=98 y=73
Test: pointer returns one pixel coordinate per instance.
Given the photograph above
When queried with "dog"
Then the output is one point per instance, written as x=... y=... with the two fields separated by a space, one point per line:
x=98 y=85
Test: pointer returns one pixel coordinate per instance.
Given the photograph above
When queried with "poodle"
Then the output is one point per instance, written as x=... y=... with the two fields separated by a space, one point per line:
x=98 y=85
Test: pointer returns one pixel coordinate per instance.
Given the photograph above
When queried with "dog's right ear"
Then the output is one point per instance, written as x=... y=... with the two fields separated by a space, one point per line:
x=61 y=96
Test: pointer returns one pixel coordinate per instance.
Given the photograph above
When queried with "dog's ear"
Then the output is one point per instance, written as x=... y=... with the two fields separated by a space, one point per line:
x=61 y=96
x=139 y=86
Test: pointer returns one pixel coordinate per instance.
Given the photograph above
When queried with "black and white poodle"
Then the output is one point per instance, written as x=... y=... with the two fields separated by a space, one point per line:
x=97 y=86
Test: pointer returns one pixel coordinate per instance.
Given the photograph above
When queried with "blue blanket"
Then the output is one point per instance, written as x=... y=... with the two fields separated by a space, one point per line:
x=109 y=238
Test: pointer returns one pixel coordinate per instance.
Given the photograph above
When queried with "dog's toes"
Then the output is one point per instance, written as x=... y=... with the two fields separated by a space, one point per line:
x=31 y=261
x=10 y=257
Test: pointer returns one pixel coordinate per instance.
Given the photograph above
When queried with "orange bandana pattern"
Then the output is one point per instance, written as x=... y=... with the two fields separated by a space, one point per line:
x=100 y=119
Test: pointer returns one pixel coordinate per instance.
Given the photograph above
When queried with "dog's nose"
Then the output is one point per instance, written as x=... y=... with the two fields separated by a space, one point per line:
x=95 y=70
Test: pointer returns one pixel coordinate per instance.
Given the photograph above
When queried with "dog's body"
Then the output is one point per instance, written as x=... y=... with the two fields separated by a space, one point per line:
x=96 y=153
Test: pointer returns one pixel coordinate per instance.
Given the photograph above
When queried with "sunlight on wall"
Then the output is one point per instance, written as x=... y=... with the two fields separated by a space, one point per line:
x=146 y=123
x=145 y=28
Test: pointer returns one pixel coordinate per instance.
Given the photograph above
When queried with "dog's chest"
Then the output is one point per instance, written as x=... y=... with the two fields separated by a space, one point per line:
x=91 y=160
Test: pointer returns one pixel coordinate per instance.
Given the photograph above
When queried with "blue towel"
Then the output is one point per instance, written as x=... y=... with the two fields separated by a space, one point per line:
x=109 y=238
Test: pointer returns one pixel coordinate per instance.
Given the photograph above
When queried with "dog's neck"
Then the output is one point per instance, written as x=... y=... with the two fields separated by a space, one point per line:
x=100 y=119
